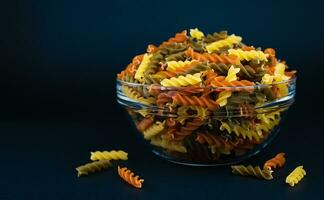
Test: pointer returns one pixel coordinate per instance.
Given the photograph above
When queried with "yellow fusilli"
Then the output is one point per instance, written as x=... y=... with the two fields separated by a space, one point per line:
x=227 y=42
x=196 y=33
x=295 y=176
x=139 y=75
x=231 y=74
x=222 y=98
x=182 y=80
x=174 y=65
x=248 y=55
x=153 y=130
x=109 y=155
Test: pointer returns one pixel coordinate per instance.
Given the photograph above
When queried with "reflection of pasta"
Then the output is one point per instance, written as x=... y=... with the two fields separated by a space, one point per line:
x=227 y=42
x=130 y=177
x=93 y=167
x=194 y=101
x=166 y=144
x=295 y=176
x=212 y=57
x=251 y=171
x=278 y=161
x=109 y=155
x=248 y=55
x=153 y=130
x=139 y=75
x=182 y=80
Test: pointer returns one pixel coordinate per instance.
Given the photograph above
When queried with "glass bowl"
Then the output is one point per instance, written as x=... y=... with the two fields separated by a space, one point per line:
x=182 y=126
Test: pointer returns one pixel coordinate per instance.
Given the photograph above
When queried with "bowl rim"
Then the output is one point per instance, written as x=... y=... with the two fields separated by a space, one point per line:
x=292 y=80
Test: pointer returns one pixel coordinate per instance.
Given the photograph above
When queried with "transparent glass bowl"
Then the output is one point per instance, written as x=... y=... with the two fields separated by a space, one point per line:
x=206 y=134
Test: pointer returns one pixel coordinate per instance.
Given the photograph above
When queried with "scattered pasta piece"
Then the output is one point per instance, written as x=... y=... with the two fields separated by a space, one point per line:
x=295 y=176
x=252 y=171
x=130 y=177
x=93 y=167
x=278 y=161
x=109 y=155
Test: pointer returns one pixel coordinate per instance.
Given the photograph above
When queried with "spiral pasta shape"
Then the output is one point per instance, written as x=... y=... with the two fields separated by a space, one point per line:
x=195 y=101
x=153 y=130
x=215 y=142
x=222 y=98
x=144 y=123
x=214 y=58
x=240 y=130
x=231 y=74
x=151 y=48
x=187 y=129
x=139 y=75
x=109 y=155
x=215 y=36
x=183 y=114
x=278 y=161
x=128 y=176
x=248 y=55
x=252 y=171
x=131 y=93
x=131 y=68
x=182 y=80
x=164 y=98
x=174 y=65
x=178 y=38
x=295 y=176
x=197 y=34
x=180 y=56
x=227 y=42
x=166 y=144
x=236 y=84
x=93 y=167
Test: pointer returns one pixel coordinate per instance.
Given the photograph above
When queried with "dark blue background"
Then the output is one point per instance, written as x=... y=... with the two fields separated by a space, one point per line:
x=58 y=65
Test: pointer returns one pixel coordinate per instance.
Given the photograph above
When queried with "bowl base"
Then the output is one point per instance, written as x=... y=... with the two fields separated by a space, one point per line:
x=224 y=162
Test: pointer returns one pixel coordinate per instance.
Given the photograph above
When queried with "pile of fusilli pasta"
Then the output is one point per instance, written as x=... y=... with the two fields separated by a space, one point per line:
x=199 y=93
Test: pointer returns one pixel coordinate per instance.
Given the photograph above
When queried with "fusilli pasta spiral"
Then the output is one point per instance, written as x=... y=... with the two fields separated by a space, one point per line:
x=195 y=101
x=227 y=42
x=252 y=171
x=182 y=80
x=109 y=155
x=212 y=57
x=295 y=176
x=130 y=177
x=278 y=161
x=153 y=130
x=93 y=167
x=248 y=55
